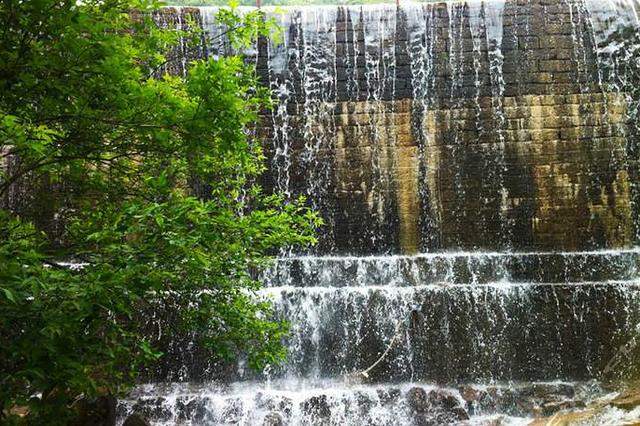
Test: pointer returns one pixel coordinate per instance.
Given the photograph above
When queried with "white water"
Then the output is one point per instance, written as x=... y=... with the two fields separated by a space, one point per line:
x=298 y=401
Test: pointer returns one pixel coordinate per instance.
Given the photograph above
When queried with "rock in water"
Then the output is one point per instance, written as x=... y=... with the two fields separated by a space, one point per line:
x=443 y=399
x=317 y=407
x=273 y=419
x=418 y=400
x=627 y=400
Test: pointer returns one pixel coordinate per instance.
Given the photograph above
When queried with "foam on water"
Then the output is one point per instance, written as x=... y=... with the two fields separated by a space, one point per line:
x=334 y=402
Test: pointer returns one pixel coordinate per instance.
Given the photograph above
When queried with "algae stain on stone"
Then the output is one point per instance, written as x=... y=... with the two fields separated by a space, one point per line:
x=579 y=192
x=432 y=163
x=408 y=200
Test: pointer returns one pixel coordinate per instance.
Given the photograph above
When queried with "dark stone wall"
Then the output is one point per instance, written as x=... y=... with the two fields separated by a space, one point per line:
x=524 y=148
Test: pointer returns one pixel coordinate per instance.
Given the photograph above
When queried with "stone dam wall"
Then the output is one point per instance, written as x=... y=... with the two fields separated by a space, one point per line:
x=472 y=161
x=453 y=126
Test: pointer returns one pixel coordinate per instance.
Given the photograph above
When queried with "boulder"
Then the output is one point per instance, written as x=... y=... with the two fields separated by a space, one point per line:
x=418 y=400
x=233 y=410
x=551 y=390
x=513 y=401
x=550 y=408
x=435 y=407
x=317 y=407
x=426 y=420
x=364 y=402
x=273 y=419
x=281 y=404
x=569 y=418
x=389 y=396
x=476 y=399
x=154 y=408
x=443 y=399
x=460 y=414
x=190 y=408
x=627 y=400
x=471 y=394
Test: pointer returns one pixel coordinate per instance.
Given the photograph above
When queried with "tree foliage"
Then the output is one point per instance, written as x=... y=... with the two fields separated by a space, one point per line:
x=115 y=148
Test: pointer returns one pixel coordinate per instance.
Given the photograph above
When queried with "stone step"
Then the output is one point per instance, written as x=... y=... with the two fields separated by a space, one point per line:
x=443 y=333
x=454 y=268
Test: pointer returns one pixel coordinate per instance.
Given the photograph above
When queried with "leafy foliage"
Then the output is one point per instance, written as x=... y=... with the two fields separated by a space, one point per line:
x=116 y=150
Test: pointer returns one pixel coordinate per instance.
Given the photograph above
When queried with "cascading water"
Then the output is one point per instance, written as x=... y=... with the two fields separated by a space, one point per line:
x=475 y=163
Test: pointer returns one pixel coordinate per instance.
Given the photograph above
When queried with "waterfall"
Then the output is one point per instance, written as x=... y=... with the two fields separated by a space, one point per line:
x=476 y=163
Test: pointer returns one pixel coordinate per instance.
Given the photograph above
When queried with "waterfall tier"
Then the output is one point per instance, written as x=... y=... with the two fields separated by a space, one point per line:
x=454 y=268
x=453 y=318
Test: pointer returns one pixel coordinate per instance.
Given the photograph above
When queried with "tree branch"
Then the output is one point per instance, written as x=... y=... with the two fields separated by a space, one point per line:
x=364 y=374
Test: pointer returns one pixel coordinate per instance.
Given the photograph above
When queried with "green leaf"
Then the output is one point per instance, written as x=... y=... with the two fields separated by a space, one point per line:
x=8 y=294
